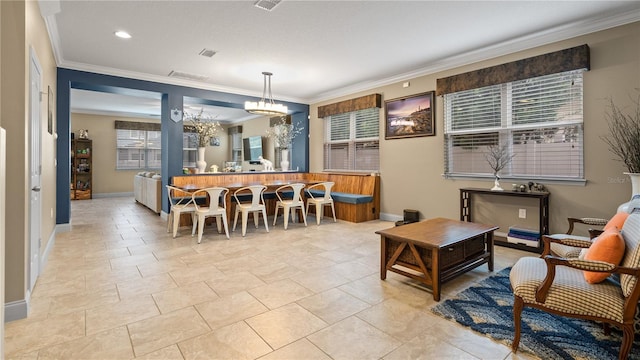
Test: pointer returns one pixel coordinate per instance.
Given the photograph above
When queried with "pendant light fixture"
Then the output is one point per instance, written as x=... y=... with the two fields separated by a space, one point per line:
x=265 y=106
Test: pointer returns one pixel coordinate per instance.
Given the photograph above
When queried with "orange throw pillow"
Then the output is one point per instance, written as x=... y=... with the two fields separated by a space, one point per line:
x=616 y=221
x=609 y=247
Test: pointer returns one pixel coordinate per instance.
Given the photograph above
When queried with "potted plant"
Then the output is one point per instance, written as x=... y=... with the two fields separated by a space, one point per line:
x=203 y=125
x=498 y=157
x=283 y=134
x=624 y=141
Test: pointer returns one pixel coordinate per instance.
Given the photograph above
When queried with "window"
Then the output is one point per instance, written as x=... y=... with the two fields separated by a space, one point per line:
x=539 y=120
x=138 y=149
x=351 y=141
x=189 y=149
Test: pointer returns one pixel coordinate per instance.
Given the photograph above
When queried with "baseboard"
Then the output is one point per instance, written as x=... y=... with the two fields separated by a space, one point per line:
x=45 y=254
x=16 y=310
x=111 y=195
x=61 y=228
x=391 y=217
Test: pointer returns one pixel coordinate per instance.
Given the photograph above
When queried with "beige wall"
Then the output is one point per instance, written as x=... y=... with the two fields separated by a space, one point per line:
x=22 y=28
x=14 y=119
x=411 y=169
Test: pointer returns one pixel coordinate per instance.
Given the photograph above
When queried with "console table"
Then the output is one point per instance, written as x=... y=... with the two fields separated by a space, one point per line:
x=466 y=197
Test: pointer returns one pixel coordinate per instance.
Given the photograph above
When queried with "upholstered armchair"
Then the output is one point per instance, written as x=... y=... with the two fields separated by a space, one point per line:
x=569 y=245
x=561 y=286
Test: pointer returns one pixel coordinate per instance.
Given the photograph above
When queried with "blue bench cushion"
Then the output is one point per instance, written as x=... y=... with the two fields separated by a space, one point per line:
x=344 y=197
x=200 y=200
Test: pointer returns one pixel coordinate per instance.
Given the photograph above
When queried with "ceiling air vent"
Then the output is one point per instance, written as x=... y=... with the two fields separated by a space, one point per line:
x=267 y=4
x=184 y=75
x=207 y=52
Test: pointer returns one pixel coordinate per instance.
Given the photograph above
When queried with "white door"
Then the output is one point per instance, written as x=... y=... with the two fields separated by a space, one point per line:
x=35 y=167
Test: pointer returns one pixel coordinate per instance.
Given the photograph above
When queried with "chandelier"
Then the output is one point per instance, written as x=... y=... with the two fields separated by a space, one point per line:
x=265 y=106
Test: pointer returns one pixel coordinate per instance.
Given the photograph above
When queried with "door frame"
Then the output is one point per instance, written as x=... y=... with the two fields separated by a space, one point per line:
x=35 y=168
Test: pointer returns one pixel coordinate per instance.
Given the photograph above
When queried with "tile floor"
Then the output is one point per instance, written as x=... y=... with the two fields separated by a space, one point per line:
x=118 y=286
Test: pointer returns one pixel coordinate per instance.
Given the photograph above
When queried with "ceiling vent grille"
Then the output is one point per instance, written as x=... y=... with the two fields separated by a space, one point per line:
x=267 y=4
x=184 y=75
x=207 y=52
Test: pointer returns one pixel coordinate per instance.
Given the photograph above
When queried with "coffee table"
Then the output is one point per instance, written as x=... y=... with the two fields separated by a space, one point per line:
x=435 y=250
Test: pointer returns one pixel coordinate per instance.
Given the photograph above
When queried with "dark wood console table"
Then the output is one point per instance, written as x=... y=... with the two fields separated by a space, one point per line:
x=466 y=197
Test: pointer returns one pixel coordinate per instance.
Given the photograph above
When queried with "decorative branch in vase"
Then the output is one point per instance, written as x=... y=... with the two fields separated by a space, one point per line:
x=498 y=157
x=283 y=135
x=624 y=142
x=206 y=128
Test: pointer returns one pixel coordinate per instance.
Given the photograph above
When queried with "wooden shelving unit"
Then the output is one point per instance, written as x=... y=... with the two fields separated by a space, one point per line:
x=81 y=169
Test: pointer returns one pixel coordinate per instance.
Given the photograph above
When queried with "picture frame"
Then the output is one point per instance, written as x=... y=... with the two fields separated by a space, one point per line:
x=410 y=116
x=214 y=141
x=49 y=110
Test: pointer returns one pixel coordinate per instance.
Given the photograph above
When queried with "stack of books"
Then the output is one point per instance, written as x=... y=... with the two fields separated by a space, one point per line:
x=523 y=236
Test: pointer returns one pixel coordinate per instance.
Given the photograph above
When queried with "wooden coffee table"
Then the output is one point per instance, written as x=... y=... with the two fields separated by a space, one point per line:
x=436 y=250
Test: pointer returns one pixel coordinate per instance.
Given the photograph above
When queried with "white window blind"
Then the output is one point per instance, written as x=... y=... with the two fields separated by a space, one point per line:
x=351 y=141
x=539 y=119
x=138 y=149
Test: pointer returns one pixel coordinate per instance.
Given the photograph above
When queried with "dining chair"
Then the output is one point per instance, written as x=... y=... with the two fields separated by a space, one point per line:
x=321 y=198
x=254 y=206
x=216 y=207
x=179 y=205
x=287 y=204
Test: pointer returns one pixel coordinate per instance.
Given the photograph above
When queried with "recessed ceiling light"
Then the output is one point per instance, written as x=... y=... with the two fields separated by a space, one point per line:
x=123 y=34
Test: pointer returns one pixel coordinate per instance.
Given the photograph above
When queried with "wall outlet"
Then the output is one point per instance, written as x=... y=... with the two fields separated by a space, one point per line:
x=522 y=213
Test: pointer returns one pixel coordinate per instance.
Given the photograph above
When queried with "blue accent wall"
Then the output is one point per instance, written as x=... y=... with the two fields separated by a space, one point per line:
x=172 y=97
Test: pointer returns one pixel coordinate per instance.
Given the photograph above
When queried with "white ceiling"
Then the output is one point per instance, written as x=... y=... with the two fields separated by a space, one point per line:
x=317 y=50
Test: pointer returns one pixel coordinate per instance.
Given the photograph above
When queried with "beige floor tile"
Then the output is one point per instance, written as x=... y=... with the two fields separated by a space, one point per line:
x=319 y=281
x=160 y=331
x=424 y=348
x=191 y=274
x=99 y=278
x=83 y=300
x=235 y=341
x=145 y=286
x=121 y=313
x=230 y=309
x=24 y=336
x=234 y=283
x=181 y=297
x=333 y=305
x=275 y=272
x=471 y=342
x=285 y=325
x=163 y=266
x=355 y=269
x=176 y=252
x=301 y=349
x=132 y=260
x=397 y=319
x=203 y=258
x=353 y=338
x=369 y=289
x=111 y=344
x=169 y=353
x=280 y=293
x=56 y=288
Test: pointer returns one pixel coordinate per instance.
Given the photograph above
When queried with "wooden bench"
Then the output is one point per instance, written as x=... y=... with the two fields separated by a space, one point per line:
x=356 y=196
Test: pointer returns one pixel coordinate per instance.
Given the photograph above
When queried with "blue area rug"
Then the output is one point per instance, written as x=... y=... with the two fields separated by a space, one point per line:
x=487 y=308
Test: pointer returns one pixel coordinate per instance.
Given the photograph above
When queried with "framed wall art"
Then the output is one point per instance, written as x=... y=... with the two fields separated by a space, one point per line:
x=410 y=116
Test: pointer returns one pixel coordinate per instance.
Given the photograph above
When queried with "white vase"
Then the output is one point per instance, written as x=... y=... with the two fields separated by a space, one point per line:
x=200 y=163
x=284 y=161
x=635 y=190
x=496 y=185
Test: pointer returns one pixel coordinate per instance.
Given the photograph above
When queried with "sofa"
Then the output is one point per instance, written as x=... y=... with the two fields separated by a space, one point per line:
x=147 y=190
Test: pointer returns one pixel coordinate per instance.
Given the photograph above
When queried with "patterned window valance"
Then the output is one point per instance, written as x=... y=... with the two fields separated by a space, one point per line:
x=564 y=60
x=133 y=125
x=361 y=103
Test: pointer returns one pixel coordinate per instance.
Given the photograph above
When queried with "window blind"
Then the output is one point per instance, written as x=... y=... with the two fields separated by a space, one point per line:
x=352 y=141
x=539 y=119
